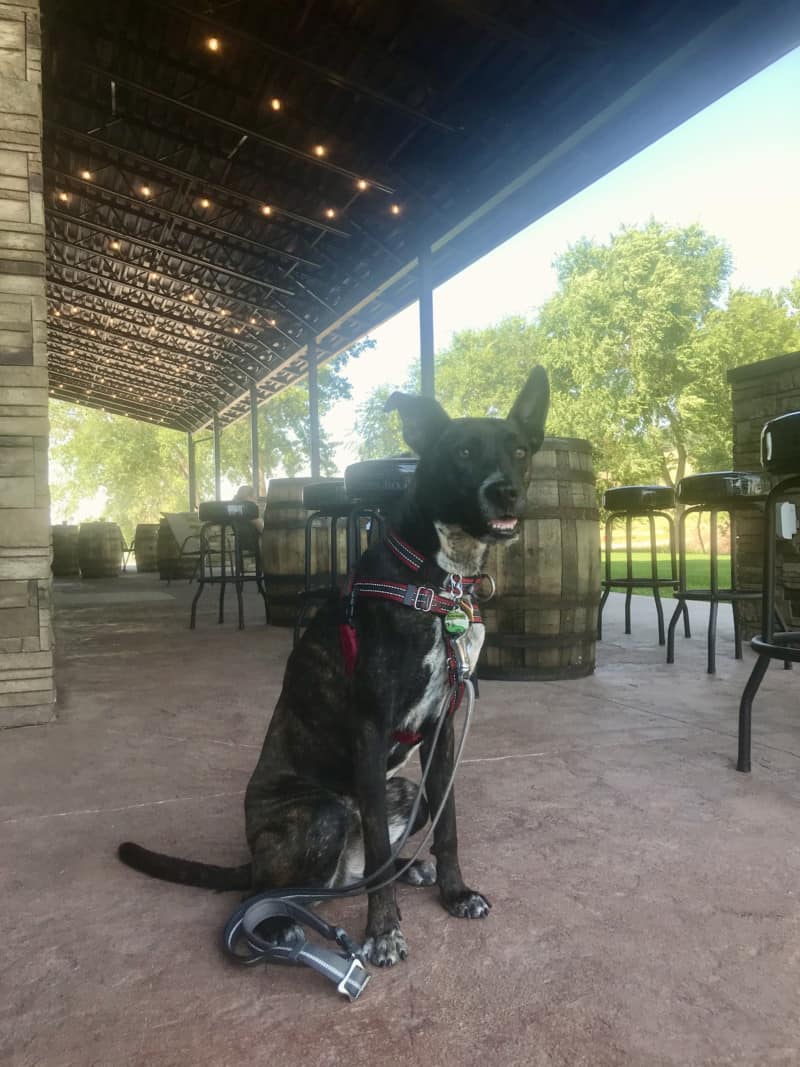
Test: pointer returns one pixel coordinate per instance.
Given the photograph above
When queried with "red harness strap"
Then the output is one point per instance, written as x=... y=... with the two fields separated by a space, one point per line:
x=420 y=598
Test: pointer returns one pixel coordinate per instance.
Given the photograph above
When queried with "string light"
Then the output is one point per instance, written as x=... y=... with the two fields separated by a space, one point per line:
x=115 y=246
x=273 y=322
x=205 y=202
x=320 y=150
x=362 y=184
x=275 y=104
x=395 y=209
x=56 y=312
x=146 y=190
x=224 y=311
x=152 y=275
x=252 y=322
x=63 y=197
x=212 y=44
x=236 y=329
x=266 y=209
x=330 y=213
x=86 y=175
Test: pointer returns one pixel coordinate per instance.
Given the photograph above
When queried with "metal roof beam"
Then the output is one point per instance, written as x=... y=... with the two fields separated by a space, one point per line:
x=201 y=224
x=204 y=264
x=235 y=127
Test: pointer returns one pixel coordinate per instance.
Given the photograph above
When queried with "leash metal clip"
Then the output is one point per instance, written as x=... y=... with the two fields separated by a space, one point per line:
x=355 y=981
x=454 y=587
x=423 y=599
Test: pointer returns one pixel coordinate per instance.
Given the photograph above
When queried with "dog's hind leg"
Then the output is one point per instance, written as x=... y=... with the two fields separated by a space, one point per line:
x=400 y=796
x=299 y=845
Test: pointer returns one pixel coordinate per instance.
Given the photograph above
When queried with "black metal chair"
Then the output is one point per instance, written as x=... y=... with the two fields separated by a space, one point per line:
x=780 y=456
x=624 y=504
x=721 y=491
x=361 y=499
x=234 y=516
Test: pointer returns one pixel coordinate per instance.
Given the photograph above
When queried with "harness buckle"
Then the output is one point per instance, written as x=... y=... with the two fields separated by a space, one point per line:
x=354 y=982
x=423 y=598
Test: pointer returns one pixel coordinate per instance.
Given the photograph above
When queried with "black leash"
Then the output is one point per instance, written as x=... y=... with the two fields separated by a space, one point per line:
x=241 y=940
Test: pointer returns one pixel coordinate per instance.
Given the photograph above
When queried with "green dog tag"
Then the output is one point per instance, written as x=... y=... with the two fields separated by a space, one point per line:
x=456 y=622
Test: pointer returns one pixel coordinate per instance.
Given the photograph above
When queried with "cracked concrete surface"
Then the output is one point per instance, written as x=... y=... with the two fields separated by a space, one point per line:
x=644 y=894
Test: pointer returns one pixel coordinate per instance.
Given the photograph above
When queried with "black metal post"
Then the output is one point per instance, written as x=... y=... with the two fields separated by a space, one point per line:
x=217 y=459
x=254 y=434
x=313 y=409
x=427 y=384
x=192 y=472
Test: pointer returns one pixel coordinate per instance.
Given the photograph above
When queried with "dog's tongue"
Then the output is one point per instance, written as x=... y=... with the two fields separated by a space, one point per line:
x=503 y=525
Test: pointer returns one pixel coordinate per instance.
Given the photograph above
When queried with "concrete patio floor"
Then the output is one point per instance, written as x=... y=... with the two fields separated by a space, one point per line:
x=645 y=894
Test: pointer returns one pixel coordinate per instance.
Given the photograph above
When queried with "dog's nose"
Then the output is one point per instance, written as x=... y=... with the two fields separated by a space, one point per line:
x=505 y=494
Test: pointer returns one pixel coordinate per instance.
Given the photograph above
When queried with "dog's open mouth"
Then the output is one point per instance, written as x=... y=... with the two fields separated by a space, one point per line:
x=506 y=526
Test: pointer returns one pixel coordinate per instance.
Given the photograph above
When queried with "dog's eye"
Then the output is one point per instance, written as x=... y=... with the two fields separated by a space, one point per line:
x=465 y=453
x=520 y=453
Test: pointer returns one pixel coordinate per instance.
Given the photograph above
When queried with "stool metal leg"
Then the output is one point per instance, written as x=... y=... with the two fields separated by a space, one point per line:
x=745 y=712
x=202 y=583
x=609 y=545
x=223 y=583
x=629 y=572
x=654 y=571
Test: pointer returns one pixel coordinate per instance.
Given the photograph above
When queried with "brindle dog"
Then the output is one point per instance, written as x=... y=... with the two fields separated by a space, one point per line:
x=321 y=807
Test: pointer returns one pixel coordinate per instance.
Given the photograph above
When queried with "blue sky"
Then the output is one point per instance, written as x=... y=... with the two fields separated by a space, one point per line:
x=734 y=168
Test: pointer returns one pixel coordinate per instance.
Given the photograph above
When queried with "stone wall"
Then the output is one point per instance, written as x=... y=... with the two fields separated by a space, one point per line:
x=26 y=645
x=760 y=391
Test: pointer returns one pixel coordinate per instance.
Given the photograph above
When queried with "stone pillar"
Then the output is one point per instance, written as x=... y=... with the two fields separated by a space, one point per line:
x=26 y=645
x=759 y=392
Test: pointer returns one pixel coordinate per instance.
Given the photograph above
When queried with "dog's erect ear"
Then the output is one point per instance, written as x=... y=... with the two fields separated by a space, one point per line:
x=424 y=420
x=530 y=408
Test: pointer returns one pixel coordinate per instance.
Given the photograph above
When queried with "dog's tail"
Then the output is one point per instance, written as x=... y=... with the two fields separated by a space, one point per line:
x=184 y=872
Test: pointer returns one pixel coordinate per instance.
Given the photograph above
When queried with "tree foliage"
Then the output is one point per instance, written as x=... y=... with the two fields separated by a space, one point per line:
x=637 y=339
x=143 y=468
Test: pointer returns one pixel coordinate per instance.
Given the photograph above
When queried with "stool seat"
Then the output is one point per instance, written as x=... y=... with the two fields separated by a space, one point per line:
x=636 y=498
x=326 y=495
x=732 y=488
x=226 y=510
x=780 y=444
x=379 y=481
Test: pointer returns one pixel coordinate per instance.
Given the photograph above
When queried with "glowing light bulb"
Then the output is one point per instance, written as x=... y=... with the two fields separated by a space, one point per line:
x=64 y=198
x=330 y=213
x=320 y=150
x=273 y=322
x=362 y=185
x=86 y=175
x=275 y=104
x=266 y=209
x=395 y=209
x=252 y=322
x=115 y=246
x=146 y=190
x=205 y=202
x=213 y=44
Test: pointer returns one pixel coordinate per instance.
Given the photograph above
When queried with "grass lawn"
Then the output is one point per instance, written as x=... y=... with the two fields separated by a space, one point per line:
x=696 y=570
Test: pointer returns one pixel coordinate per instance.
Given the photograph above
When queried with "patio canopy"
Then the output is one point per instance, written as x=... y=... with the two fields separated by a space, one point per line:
x=234 y=189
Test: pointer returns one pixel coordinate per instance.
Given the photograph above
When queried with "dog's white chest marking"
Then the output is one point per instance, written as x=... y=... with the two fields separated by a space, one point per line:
x=428 y=704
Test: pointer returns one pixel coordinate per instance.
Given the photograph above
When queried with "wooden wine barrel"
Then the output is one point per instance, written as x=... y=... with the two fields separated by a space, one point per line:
x=65 y=551
x=145 y=547
x=100 y=549
x=283 y=548
x=542 y=624
x=171 y=562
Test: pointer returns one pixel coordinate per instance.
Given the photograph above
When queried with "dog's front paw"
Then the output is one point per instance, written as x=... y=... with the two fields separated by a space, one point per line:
x=385 y=950
x=421 y=872
x=467 y=905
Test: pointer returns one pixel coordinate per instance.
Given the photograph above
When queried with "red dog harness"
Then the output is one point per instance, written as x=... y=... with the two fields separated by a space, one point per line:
x=459 y=591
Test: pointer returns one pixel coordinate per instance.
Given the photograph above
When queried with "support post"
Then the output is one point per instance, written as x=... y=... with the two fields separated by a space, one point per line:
x=217 y=459
x=192 y=472
x=313 y=408
x=426 y=322
x=254 y=434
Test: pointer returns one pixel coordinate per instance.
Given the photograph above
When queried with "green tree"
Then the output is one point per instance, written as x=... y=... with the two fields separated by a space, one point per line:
x=143 y=468
x=283 y=427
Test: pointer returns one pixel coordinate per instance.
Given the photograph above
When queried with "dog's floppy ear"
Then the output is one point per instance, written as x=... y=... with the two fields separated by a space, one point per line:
x=423 y=419
x=530 y=408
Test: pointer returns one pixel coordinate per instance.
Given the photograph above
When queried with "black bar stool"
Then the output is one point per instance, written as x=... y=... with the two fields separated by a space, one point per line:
x=721 y=491
x=236 y=516
x=359 y=499
x=780 y=456
x=626 y=503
